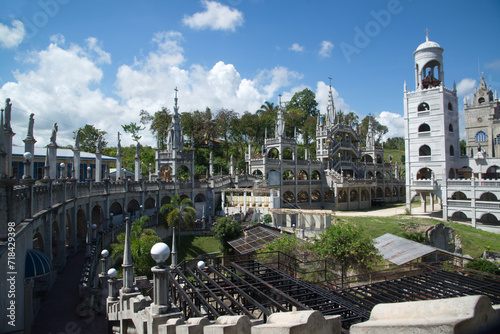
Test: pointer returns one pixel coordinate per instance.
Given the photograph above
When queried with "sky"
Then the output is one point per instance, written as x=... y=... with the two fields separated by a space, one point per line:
x=102 y=62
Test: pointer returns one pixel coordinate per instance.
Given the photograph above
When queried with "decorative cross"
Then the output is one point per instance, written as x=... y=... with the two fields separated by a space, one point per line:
x=427 y=33
x=330 y=78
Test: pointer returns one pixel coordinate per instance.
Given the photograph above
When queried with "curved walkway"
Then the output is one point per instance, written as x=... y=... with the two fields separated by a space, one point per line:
x=62 y=311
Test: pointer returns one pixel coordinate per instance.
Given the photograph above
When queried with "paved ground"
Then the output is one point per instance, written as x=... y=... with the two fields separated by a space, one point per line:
x=62 y=312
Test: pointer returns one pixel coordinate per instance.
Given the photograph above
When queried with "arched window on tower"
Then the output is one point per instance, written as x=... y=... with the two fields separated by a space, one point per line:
x=481 y=100
x=450 y=127
x=452 y=151
x=424 y=151
x=480 y=137
x=424 y=106
x=424 y=128
x=450 y=106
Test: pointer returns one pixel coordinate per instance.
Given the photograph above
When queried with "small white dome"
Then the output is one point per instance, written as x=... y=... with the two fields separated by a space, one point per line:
x=428 y=44
x=160 y=252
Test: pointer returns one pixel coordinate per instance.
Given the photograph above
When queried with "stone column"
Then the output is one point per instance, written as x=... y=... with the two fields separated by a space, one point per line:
x=76 y=164
x=128 y=266
x=98 y=167
x=52 y=158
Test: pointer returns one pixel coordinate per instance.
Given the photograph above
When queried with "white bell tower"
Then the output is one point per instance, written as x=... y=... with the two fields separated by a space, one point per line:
x=431 y=128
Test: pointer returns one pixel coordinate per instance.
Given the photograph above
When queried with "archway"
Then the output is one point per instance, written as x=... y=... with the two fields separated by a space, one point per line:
x=459 y=196
x=302 y=197
x=133 y=207
x=364 y=195
x=379 y=193
x=257 y=172
x=183 y=173
x=288 y=154
x=288 y=198
x=97 y=218
x=165 y=200
x=489 y=218
x=329 y=196
x=200 y=198
x=273 y=153
x=395 y=191
x=353 y=197
x=367 y=158
x=452 y=174
x=315 y=196
x=302 y=175
x=288 y=175
x=492 y=173
x=387 y=192
x=424 y=151
x=459 y=216
x=116 y=209
x=488 y=196
x=166 y=173
x=424 y=174
x=315 y=175
x=342 y=196
x=149 y=203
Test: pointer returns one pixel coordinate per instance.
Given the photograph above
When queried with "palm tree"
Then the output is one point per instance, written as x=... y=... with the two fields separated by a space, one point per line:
x=178 y=212
x=266 y=107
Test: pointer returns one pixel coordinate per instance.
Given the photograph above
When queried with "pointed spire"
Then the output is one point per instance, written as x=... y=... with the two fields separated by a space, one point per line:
x=331 y=114
x=405 y=88
x=496 y=95
x=465 y=100
x=128 y=266
x=454 y=86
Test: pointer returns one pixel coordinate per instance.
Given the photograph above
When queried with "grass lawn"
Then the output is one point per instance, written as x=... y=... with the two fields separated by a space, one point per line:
x=474 y=241
x=191 y=246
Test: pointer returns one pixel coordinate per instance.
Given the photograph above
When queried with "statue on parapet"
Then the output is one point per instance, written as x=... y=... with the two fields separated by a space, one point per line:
x=30 y=126
x=77 y=140
x=54 y=134
x=8 y=111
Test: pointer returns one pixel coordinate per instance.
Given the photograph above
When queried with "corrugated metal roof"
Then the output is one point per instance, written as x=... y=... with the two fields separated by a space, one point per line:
x=400 y=250
x=62 y=153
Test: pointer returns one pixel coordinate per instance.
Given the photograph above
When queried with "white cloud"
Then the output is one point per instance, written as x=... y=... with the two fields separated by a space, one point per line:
x=494 y=65
x=57 y=39
x=215 y=17
x=12 y=37
x=57 y=90
x=466 y=87
x=94 y=46
x=296 y=47
x=394 y=122
x=61 y=87
x=326 y=49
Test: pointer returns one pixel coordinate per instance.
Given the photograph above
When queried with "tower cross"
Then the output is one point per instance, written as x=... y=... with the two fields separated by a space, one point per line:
x=330 y=78
x=427 y=34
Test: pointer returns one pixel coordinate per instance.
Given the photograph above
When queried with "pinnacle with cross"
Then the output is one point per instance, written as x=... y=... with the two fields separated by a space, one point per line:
x=427 y=34
x=330 y=78
x=279 y=99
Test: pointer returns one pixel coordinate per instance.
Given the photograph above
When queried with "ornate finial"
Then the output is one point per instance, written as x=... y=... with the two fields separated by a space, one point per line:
x=427 y=34
x=279 y=99
x=175 y=98
x=330 y=78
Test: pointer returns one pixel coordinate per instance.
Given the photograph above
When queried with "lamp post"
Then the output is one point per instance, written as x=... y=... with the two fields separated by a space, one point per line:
x=160 y=253
x=89 y=170
x=104 y=256
x=112 y=292
x=201 y=265
x=27 y=163
x=94 y=227
x=62 y=166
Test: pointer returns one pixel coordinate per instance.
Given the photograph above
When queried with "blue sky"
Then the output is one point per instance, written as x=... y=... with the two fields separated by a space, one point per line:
x=101 y=62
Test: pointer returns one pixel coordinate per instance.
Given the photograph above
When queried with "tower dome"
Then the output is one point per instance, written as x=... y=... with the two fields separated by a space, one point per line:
x=429 y=71
x=427 y=45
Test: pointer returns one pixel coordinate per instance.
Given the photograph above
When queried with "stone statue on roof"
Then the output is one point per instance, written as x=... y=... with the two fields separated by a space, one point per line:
x=8 y=111
x=54 y=134
x=30 y=126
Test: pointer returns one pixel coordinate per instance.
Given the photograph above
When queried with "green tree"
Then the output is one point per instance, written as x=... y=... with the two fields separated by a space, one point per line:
x=348 y=245
x=302 y=106
x=463 y=147
x=225 y=230
x=159 y=123
x=223 y=122
x=134 y=130
x=141 y=241
x=175 y=214
x=88 y=138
